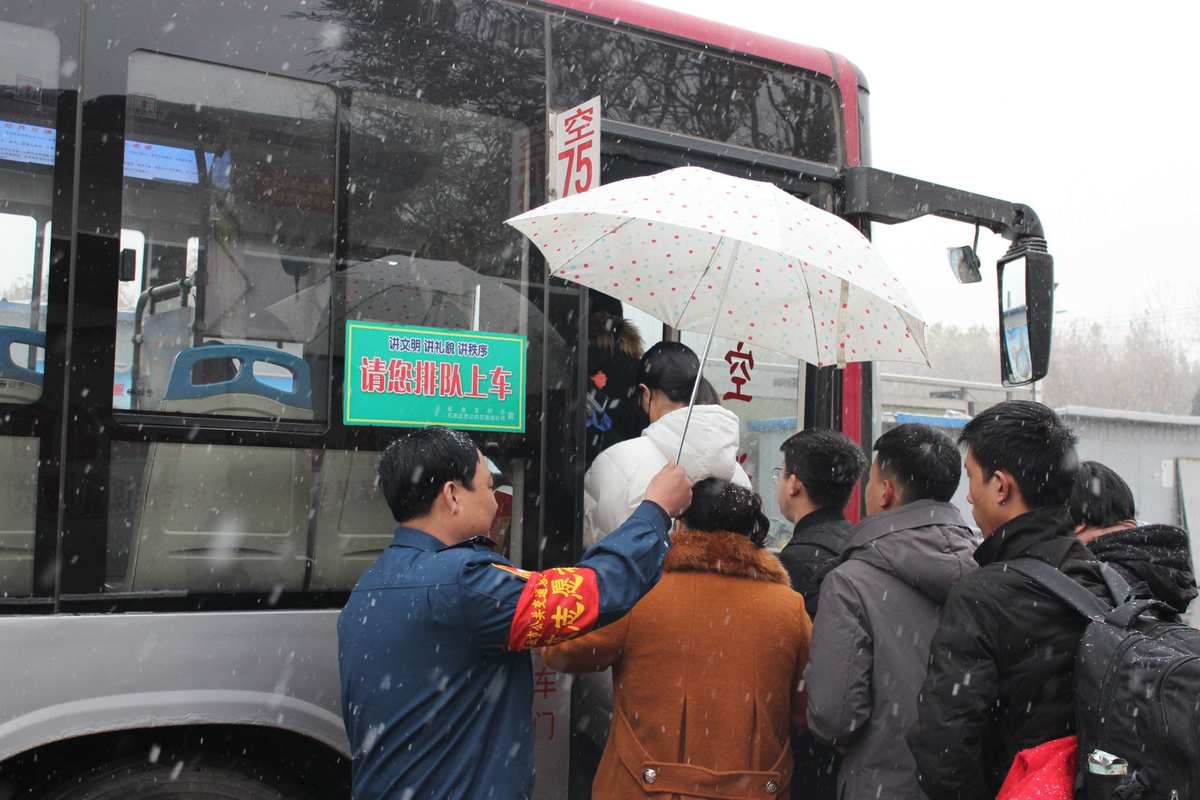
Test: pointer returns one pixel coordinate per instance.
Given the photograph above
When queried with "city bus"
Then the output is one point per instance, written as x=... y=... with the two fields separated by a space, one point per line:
x=200 y=201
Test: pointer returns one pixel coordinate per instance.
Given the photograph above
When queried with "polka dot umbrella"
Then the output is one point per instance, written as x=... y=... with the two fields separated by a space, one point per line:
x=736 y=258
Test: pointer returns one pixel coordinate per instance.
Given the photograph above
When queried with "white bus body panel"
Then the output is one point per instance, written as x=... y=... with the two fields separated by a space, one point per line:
x=74 y=675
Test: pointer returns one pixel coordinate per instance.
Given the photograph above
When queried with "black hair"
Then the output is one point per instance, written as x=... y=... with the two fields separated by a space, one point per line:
x=1028 y=441
x=706 y=395
x=414 y=468
x=922 y=461
x=599 y=302
x=671 y=368
x=1100 y=498
x=827 y=463
x=718 y=505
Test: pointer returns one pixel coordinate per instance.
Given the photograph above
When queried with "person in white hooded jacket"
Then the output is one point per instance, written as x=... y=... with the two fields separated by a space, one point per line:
x=617 y=480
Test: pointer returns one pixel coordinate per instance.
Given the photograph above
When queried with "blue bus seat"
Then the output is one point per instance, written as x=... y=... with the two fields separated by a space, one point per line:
x=252 y=532
x=243 y=393
x=19 y=384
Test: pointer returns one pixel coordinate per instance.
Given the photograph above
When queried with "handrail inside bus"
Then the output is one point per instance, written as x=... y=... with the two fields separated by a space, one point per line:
x=166 y=291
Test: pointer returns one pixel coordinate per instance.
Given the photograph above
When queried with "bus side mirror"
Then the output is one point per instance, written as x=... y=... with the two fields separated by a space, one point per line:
x=127 y=270
x=1026 y=281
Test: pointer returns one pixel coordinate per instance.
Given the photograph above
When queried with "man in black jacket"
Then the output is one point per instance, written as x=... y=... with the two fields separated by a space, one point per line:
x=821 y=469
x=1154 y=559
x=1002 y=660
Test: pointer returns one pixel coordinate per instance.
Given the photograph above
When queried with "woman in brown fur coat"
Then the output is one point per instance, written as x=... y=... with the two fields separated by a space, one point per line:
x=707 y=667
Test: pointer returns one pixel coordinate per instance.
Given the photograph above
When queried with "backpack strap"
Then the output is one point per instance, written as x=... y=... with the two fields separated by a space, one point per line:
x=1061 y=586
x=1124 y=615
x=1118 y=587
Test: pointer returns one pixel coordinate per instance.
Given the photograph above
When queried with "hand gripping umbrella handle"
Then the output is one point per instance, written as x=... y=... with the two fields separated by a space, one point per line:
x=708 y=346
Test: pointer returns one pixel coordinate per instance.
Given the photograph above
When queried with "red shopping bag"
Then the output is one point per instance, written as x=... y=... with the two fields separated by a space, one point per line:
x=1045 y=772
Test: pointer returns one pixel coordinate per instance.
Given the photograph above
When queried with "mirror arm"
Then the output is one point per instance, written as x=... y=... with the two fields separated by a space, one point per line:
x=889 y=198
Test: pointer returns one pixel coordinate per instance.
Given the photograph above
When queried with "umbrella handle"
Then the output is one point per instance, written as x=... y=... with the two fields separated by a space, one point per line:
x=708 y=345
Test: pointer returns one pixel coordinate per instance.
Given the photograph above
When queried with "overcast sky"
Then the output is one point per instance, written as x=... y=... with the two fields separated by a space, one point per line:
x=1089 y=116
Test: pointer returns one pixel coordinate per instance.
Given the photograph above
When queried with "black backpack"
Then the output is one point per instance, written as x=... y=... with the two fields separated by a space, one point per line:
x=1137 y=692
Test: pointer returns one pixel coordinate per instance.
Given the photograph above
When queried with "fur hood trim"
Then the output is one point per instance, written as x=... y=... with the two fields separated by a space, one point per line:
x=615 y=334
x=725 y=554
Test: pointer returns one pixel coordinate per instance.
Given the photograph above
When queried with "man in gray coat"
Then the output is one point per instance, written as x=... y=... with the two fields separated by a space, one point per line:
x=879 y=611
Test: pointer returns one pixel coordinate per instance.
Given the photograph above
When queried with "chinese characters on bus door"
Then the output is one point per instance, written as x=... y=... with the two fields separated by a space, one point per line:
x=741 y=364
x=575 y=149
x=551 y=729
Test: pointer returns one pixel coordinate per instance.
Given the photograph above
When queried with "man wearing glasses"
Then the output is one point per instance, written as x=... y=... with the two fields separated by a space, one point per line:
x=820 y=471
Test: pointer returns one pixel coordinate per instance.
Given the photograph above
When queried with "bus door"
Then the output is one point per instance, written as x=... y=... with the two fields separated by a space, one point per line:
x=767 y=390
x=39 y=54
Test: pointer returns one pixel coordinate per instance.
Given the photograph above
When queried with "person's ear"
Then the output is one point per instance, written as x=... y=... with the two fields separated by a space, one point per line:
x=795 y=487
x=890 y=495
x=1003 y=486
x=449 y=494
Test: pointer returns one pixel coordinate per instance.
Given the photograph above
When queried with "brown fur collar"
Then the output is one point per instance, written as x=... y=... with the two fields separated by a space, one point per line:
x=725 y=554
x=614 y=334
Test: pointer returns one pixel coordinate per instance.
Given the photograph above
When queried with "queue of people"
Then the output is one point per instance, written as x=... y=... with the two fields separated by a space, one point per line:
x=895 y=658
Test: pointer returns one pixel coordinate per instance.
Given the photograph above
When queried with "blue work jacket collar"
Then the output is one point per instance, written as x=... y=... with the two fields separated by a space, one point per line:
x=420 y=540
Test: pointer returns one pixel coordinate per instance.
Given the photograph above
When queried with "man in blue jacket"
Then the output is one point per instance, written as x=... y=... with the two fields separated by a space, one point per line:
x=437 y=685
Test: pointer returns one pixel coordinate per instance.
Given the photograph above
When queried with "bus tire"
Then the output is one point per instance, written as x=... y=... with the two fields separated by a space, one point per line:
x=193 y=779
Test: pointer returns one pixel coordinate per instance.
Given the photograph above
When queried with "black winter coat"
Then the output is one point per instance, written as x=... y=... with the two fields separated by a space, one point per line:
x=611 y=409
x=1002 y=661
x=815 y=548
x=1155 y=559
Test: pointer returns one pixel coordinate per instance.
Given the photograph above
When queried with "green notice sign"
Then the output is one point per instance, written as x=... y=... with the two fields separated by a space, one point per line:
x=409 y=377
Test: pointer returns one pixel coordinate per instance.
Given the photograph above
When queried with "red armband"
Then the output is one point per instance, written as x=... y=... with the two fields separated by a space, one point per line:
x=557 y=603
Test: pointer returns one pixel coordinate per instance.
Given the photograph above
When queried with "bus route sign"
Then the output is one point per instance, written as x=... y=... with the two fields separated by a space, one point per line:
x=409 y=377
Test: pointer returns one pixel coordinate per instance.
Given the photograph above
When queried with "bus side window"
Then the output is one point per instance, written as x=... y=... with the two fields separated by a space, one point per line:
x=229 y=178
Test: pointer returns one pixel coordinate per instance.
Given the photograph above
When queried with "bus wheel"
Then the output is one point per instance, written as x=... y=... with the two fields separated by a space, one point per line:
x=194 y=779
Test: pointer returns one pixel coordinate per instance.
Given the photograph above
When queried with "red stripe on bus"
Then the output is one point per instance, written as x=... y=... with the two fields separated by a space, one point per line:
x=852 y=424
x=704 y=31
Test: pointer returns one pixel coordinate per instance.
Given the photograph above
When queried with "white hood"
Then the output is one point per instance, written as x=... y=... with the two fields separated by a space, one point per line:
x=711 y=447
x=616 y=482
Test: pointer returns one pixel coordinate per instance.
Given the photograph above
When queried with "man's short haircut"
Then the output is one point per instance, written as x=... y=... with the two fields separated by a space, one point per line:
x=1101 y=498
x=1028 y=441
x=922 y=461
x=414 y=468
x=827 y=463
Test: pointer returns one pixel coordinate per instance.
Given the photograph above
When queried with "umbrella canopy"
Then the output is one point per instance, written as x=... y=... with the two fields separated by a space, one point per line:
x=418 y=291
x=742 y=259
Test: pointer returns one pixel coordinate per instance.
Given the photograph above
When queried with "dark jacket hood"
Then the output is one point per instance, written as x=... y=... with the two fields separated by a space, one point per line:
x=1155 y=555
x=925 y=544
